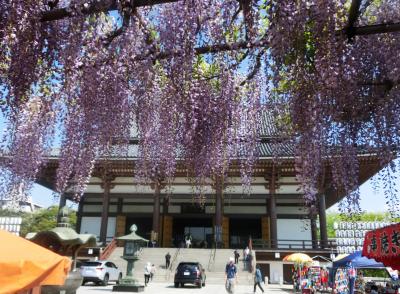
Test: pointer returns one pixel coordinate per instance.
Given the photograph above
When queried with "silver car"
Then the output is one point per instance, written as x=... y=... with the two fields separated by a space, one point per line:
x=100 y=272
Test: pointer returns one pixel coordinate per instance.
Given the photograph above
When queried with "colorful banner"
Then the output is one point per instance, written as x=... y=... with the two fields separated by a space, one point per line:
x=384 y=245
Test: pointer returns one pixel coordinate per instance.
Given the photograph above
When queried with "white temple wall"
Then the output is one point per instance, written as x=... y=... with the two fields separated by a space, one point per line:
x=91 y=225
x=293 y=229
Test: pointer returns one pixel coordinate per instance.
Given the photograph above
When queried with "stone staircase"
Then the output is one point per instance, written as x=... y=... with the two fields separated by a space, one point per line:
x=215 y=267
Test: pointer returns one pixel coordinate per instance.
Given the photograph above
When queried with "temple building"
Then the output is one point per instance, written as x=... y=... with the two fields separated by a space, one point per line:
x=273 y=215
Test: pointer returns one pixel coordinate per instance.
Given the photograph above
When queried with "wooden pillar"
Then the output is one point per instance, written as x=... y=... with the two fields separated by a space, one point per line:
x=218 y=212
x=79 y=216
x=272 y=210
x=322 y=220
x=107 y=186
x=156 y=211
x=265 y=228
x=167 y=231
x=314 y=233
x=164 y=229
x=62 y=203
x=225 y=231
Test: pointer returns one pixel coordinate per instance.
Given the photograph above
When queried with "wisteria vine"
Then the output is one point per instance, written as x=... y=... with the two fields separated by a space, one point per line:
x=191 y=79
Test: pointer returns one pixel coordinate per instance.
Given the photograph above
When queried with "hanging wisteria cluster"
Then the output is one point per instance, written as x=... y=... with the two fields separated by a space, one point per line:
x=191 y=80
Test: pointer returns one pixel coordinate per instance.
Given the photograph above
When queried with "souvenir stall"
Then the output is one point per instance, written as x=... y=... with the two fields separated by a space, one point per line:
x=348 y=267
x=301 y=264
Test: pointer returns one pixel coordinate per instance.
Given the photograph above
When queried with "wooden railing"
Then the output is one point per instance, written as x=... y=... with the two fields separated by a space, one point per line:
x=108 y=249
x=294 y=244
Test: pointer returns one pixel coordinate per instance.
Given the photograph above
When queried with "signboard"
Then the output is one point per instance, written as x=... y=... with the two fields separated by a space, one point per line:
x=350 y=235
x=384 y=245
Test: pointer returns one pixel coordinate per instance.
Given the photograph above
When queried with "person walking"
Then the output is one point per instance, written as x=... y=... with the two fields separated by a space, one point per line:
x=147 y=273
x=167 y=260
x=188 y=240
x=152 y=272
x=246 y=253
x=258 y=279
x=230 y=276
x=237 y=255
x=250 y=262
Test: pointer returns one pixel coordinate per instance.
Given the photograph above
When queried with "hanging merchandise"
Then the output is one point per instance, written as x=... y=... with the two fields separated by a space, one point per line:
x=341 y=281
x=314 y=275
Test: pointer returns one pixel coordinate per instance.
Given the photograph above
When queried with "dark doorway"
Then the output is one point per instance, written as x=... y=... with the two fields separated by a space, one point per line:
x=199 y=228
x=264 y=267
x=287 y=273
x=144 y=225
x=240 y=229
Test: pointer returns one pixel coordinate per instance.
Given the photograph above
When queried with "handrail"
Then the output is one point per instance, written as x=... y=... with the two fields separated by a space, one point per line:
x=108 y=249
x=293 y=244
x=171 y=266
x=211 y=260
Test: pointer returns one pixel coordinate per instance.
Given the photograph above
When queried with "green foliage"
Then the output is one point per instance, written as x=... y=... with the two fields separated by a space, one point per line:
x=366 y=217
x=378 y=273
x=43 y=219
x=11 y=213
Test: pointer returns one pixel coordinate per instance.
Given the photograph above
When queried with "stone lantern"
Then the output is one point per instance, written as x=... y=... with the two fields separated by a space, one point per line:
x=132 y=246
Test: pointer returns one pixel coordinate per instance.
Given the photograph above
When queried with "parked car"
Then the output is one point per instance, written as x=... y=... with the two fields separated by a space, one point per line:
x=100 y=272
x=190 y=273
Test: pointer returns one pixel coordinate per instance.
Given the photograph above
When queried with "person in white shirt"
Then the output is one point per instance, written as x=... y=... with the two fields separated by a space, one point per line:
x=147 y=273
x=152 y=272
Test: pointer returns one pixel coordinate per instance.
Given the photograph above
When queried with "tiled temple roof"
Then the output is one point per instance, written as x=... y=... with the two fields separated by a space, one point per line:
x=271 y=143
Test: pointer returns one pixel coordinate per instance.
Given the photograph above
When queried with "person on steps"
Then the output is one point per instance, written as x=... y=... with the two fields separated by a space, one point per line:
x=167 y=260
x=147 y=273
x=237 y=255
x=258 y=279
x=230 y=276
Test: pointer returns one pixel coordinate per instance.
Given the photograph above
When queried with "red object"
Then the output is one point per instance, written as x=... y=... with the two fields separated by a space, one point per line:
x=383 y=245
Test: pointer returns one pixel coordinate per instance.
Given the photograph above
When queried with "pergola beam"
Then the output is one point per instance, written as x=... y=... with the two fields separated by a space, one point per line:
x=376 y=29
x=96 y=7
x=215 y=48
x=353 y=13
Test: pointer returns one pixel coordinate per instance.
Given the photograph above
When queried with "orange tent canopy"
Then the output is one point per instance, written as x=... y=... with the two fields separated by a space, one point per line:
x=25 y=265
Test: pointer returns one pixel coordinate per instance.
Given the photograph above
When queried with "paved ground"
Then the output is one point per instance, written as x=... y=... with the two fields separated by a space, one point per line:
x=164 y=288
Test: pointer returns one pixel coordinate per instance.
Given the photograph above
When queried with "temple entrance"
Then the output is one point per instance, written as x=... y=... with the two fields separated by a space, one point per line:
x=199 y=228
x=240 y=229
x=144 y=225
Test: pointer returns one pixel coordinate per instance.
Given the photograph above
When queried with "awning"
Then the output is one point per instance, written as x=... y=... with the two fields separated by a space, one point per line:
x=357 y=261
x=384 y=245
x=25 y=265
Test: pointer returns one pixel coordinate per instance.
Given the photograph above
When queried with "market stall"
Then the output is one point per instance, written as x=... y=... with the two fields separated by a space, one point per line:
x=300 y=263
x=347 y=275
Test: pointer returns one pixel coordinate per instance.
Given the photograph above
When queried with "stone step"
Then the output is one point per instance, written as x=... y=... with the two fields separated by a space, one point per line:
x=215 y=271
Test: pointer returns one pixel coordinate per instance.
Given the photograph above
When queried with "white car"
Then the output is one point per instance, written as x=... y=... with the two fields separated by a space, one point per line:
x=100 y=272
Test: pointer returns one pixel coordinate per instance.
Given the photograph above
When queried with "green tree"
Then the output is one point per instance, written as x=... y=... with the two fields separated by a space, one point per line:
x=44 y=219
x=11 y=213
x=333 y=217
